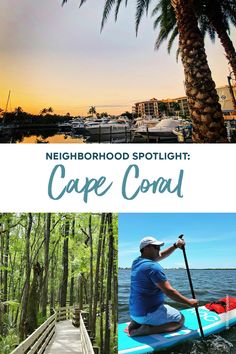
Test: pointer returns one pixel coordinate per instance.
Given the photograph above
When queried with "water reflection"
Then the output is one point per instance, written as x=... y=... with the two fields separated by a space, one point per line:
x=53 y=136
x=55 y=139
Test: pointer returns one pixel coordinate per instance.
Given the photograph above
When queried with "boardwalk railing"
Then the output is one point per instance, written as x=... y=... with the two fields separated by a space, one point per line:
x=39 y=339
x=63 y=313
x=86 y=344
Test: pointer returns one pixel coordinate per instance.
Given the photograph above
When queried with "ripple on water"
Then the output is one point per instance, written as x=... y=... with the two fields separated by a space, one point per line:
x=209 y=287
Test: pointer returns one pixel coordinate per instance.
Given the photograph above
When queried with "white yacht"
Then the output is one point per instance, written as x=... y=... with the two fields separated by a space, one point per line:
x=111 y=127
x=163 y=128
x=77 y=124
x=145 y=122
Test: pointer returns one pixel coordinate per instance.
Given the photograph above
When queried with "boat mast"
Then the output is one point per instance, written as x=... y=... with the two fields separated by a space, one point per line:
x=8 y=99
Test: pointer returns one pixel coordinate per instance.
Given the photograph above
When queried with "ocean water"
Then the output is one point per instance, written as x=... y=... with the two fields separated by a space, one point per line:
x=209 y=285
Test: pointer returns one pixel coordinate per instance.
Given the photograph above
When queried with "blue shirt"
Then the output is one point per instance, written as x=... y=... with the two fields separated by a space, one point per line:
x=145 y=296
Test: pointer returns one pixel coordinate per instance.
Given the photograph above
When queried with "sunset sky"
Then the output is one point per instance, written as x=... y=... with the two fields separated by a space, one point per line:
x=55 y=56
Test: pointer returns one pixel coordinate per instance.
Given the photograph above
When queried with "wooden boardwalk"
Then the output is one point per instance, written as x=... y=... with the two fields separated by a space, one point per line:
x=67 y=339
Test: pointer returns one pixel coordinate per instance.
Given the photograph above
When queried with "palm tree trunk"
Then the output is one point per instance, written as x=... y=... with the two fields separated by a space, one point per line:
x=207 y=117
x=214 y=13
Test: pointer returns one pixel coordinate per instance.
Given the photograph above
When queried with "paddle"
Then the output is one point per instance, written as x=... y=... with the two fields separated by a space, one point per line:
x=191 y=287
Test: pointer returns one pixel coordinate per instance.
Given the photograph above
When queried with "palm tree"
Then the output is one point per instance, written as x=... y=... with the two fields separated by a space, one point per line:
x=46 y=110
x=43 y=111
x=18 y=111
x=214 y=18
x=207 y=117
x=50 y=110
x=92 y=110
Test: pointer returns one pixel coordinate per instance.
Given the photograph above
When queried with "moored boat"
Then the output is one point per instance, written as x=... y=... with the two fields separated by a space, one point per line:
x=163 y=128
x=111 y=127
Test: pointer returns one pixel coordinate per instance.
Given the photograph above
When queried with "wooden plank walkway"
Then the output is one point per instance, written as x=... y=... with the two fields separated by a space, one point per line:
x=66 y=340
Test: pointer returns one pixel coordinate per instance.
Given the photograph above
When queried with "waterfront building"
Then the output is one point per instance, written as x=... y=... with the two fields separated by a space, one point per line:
x=146 y=108
x=184 y=107
x=154 y=107
x=225 y=98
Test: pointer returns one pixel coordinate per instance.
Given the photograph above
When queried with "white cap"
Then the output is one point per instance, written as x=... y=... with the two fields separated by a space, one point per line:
x=149 y=240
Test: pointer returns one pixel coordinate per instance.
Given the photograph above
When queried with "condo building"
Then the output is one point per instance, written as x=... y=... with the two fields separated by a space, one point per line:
x=179 y=106
x=146 y=108
x=154 y=108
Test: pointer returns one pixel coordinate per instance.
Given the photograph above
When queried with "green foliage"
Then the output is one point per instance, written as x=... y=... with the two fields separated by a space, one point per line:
x=9 y=342
x=14 y=230
x=11 y=303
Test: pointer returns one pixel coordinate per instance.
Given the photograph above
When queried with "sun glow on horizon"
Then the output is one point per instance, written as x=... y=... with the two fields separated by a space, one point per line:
x=54 y=56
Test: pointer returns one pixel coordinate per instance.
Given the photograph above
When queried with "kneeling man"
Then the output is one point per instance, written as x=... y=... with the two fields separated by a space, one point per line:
x=148 y=285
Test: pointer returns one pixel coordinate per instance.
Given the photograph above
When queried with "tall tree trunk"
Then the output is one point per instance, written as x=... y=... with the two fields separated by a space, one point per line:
x=90 y=271
x=72 y=278
x=80 y=291
x=5 y=273
x=109 y=284
x=207 y=117
x=214 y=13
x=102 y=290
x=25 y=297
x=64 y=282
x=97 y=279
x=2 y=239
x=52 y=289
x=46 y=264
x=31 y=322
x=18 y=293
x=115 y=292
x=1 y=262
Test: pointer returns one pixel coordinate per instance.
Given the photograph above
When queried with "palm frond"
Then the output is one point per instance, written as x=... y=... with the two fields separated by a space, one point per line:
x=172 y=39
x=107 y=9
x=156 y=9
x=177 y=55
x=82 y=2
x=157 y=21
x=142 y=5
x=163 y=34
x=118 y=7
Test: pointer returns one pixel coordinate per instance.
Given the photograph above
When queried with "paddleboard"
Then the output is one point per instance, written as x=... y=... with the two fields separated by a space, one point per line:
x=211 y=323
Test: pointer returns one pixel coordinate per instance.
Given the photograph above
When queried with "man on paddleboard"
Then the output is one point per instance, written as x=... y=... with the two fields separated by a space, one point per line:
x=149 y=284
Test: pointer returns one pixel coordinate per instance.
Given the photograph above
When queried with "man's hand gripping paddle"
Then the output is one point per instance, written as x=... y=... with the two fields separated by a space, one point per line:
x=191 y=287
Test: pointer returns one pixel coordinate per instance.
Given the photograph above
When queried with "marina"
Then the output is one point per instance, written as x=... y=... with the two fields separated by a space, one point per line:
x=84 y=131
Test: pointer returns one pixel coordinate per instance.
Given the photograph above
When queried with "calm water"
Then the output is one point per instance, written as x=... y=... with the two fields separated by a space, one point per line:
x=52 y=136
x=209 y=285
